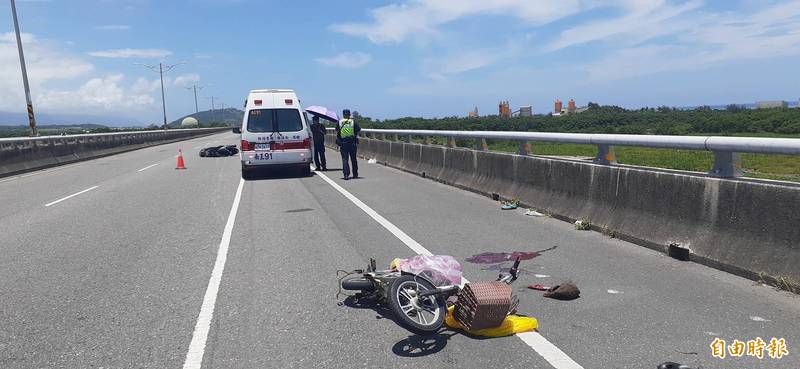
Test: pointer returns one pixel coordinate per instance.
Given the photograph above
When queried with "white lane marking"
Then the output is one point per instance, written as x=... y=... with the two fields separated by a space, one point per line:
x=759 y=319
x=614 y=292
x=147 y=167
x=70 y=196
x=194 y=357
x=557 y=358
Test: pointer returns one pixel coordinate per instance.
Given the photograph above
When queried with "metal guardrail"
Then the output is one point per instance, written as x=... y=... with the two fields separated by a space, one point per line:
x=91 y=135
x=725 y=149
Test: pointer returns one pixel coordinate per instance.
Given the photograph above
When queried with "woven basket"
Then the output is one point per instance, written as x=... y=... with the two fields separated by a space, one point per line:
x=482 y=305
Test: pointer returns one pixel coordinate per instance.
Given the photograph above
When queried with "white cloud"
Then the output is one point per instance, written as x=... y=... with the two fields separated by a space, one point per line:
x=706 y=40
x=49 y=66
x=131 y=53
x=113 y=27
x=99 y=94
x=145 y=86
x=45 y=62
x=346 y=60
x=641 y=20
x=185 y=80
x=396 y=22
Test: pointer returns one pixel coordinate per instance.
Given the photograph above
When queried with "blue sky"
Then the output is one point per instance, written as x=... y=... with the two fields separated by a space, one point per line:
x=400 y=58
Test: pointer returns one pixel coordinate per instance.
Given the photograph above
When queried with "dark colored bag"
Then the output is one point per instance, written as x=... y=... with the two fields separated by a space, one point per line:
x=564 y=291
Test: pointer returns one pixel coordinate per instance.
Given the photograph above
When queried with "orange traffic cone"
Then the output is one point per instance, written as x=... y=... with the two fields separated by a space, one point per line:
x=180 y=164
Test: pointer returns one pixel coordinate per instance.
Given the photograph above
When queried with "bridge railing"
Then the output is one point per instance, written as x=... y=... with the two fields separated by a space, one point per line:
x=725 y=149
x=111 y=134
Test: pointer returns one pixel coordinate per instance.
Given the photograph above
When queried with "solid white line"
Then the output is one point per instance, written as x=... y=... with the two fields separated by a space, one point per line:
x=557 y=358
x=194 y=357
x=147 y=167
x=70 y=196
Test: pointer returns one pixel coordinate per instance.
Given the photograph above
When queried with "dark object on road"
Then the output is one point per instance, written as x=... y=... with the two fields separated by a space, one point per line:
x=499 y=257
x=219 y=151
x=564 y=291
x=677 y=252
x=671 y=365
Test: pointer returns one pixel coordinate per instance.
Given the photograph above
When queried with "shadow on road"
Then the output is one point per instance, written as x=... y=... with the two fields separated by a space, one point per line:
x=412 y=346
x=275 y=173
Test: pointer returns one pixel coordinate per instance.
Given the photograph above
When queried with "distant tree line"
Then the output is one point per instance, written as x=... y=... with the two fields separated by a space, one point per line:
x=662 y=120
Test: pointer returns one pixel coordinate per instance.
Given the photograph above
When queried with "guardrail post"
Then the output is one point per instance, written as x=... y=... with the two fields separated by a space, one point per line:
x=451 y=142
x=726 y=164
x=480 y=144
x=605 y=155
x=396 y=137
x=524 y=148
x=426 y=140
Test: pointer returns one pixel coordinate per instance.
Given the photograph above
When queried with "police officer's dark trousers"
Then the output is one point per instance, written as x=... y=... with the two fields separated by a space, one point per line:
x=349 y=152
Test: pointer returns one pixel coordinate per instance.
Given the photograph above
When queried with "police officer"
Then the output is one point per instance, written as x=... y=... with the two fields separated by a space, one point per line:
x=346 y=137
x=318 y=131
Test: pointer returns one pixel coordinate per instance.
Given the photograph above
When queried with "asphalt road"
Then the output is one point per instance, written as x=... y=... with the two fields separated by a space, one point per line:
x=119 y=276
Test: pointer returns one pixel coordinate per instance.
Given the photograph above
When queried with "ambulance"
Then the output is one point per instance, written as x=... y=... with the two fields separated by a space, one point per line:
x=275 y=133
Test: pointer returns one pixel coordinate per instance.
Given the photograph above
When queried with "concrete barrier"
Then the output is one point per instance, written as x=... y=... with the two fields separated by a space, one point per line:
x=24 y=154
x=747 y=227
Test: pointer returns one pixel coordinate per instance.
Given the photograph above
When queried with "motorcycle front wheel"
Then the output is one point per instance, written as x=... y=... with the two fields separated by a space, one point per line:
x=422 y=316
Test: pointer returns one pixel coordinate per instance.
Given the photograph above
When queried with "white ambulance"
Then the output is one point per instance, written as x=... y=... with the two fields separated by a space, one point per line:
x=275 y=133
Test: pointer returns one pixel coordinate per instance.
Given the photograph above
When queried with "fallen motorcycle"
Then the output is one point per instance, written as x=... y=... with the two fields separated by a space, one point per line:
x=420 y=306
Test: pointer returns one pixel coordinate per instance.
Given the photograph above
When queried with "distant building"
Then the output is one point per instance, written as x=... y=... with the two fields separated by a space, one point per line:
x=474 y=113
x=505 y=110
x=772 y=104
x=571 y=108
x=525 y=111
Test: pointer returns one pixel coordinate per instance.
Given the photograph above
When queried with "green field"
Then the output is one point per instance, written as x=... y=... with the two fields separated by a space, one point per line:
x=778 y=167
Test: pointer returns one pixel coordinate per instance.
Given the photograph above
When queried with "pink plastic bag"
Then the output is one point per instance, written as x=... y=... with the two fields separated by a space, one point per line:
x=442 y=270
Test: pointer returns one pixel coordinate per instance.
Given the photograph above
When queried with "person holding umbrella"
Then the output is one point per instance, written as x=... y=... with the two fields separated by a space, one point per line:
x=347 y=139
x=318 y=131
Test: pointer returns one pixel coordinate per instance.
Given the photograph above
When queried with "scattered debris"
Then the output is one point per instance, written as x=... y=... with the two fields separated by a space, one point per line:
x=759 y=319
x=541 y=276
x=583 y=224
x=510 y=205
x=218 y=151
x=614 y=292
x=538 y=287
x=500 y=257
x=533 y=213
x=372 y=161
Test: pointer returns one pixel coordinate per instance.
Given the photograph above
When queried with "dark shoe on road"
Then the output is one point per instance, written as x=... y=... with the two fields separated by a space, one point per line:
x=346 y=178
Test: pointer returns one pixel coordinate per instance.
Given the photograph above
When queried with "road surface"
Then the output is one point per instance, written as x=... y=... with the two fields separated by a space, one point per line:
x=125 y=262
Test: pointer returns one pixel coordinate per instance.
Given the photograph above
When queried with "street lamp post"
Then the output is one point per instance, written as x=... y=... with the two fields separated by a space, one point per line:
x=161 y=69
x=31 y=117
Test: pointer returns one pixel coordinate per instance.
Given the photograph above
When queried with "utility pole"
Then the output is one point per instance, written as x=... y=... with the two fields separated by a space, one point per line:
x=31 y=117
x=213 y=109
x=222 y=111
x=161 y=69
x=195 y=88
